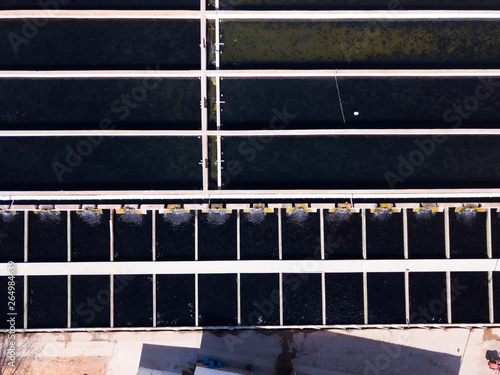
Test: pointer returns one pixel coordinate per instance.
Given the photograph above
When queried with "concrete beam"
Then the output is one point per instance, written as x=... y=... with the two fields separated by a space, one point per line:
x=355 y=15
x=254 y=266
x=280 y=235
x=25 y=302
x=322 y=233
x=196 y=303
x=52 y=14
x=69 y=302
x=407 y=297
x=154 y=300
x=365 y=297
x=26 y=237
x=491 y=301
x=253 y=15
x=489 y=245
x=238 y=234
x=243 y=133
x=281 y=297
x=111 y=301
x=448 y=296
x=363 y=233
x=250 y=73
x=238 y=299
x=196 y=235
x=323 y=297
x=447 y=245
x=135 y=195
x=405 y=233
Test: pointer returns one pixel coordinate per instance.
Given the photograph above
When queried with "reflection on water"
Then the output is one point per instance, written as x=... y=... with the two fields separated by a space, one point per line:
x=255 y=216
x=467 y=215
x=338 y=216
x=130 y=217
x=177 y=217
x=7 y=216
x=381 y=214
x=91 y=217
x=297 y=216
x=50 y=217
x=217 y=217
x=424 y=214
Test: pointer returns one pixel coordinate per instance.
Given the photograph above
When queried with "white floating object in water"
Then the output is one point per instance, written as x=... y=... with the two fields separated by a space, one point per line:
x=356 y=113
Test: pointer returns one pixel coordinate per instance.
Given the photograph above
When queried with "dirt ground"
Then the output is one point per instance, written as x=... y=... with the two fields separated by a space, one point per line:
x=61 y=366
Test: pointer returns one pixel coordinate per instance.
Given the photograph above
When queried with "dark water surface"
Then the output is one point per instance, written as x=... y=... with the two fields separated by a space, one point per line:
x=90 y=301
x=175 y=300
x=386 y=298
x=12 y=237
x=260 y=303
x=384 y=235
x=133 y=237
x=133 y=300
x=73 y=104
x=469 y=297
x=101 y=4
x=175 y=236
x=358 y=5
x=217 y=236
x=344 y=298
x=468 y=234
x=47 y=301
x=356 y=162
x=280 y=104
x=302 y=299
x=217 y=298
x=301 y=236
x=306 y=103
x=58 y=163
x=90 y=240
x=428 y=297
x=360 y=44
x=343 y=238
x=101 y=44
x=259 y=236
x=426 y=235
x=18 y=301
x=47 y=236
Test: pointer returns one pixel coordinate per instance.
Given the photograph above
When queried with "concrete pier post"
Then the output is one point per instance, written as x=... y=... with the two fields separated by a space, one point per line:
x=365 y=297
x=281 y=297
x=323 y=297
x=280 y=235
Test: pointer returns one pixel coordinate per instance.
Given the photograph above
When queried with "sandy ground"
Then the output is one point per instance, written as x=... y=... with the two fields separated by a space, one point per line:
x=51 y=366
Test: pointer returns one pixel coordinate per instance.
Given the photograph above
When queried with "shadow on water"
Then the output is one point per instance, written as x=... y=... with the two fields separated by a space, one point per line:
x=306 y=352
